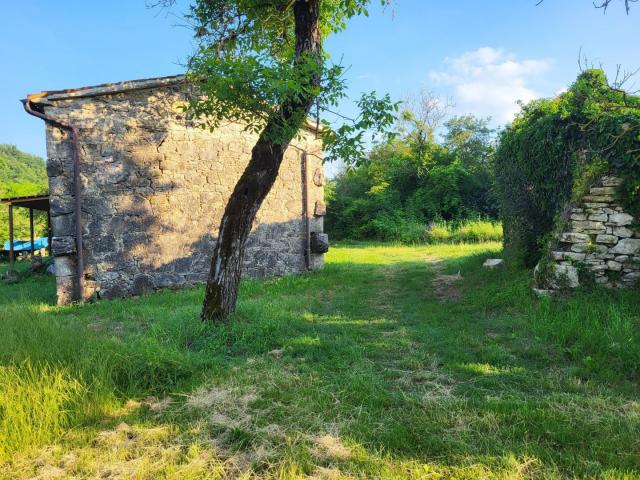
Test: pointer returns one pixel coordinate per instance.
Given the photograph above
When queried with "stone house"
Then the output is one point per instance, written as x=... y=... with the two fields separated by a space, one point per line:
x=598 y=242
x=153 y=187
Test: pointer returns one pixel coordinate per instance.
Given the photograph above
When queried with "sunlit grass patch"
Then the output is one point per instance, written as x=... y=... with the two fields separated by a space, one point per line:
x=37 y=404
x=362 y=253
x=487 y=369
x=470 y=231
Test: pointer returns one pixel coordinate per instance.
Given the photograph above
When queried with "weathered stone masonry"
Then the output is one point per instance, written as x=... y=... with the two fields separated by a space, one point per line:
x=599 y=240
x=154 y=188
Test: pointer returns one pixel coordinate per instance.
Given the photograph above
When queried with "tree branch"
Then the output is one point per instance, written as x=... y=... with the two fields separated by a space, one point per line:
x=604 y=4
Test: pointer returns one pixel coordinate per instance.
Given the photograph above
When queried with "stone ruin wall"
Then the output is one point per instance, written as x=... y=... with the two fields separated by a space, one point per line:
x=153 y=192
x=599 y=238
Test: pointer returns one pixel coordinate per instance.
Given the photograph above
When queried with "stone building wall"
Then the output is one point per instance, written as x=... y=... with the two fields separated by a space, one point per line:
x=600 y=243
x=154 y=189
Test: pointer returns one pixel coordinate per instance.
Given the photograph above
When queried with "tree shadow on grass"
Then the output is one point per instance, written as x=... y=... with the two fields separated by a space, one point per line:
x=366 y=354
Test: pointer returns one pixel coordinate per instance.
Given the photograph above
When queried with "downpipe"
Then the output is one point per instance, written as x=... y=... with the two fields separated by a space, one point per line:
x=31 y=110
x=305 y=209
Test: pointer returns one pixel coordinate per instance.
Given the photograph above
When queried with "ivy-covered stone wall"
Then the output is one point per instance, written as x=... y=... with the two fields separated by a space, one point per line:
x=597 y=242
x=154 y=187
x=555 y=150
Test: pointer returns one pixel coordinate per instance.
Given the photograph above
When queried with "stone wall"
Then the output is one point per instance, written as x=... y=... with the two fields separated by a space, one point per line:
x=599 y=243
x=154 y=188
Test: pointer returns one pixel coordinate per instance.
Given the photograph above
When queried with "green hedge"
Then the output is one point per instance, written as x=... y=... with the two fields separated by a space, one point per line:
x=555 y=149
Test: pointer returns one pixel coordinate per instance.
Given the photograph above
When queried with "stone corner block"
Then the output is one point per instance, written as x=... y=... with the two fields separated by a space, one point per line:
x=63 y=245
x=320 y=209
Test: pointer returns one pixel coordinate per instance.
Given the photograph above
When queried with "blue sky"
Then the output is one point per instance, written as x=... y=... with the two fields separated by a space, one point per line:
x=485 y=54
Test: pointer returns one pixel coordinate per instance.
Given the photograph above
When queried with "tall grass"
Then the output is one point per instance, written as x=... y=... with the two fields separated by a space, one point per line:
x=470 y=231
x=449 y=232
x=37 y=404
x=68 y=366
x=599 y=331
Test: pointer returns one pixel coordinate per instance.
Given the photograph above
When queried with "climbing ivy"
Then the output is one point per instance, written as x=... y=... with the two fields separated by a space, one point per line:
x=553 y=152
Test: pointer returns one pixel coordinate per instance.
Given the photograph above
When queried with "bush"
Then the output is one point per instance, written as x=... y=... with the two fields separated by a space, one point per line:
x=555 y=149
x=400 y=189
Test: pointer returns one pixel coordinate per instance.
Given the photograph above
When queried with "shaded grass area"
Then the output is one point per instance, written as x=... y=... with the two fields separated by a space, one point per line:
x=358 y=370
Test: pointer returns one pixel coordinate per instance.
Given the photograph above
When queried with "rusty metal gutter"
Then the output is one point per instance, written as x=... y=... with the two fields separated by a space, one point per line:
x=305 y=209
x=31 y=109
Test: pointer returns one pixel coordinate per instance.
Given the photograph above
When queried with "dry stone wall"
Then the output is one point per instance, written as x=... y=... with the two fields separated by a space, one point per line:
x=154 y=188
x=600 y=243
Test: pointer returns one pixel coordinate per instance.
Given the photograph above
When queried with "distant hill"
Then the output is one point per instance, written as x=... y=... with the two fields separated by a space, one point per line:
x=20 y=174
x=21 y=171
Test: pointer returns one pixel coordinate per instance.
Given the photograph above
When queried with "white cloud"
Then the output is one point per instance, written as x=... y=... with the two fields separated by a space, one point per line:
x=490 y=81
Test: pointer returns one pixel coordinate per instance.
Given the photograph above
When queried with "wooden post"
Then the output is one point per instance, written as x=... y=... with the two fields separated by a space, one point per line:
x=31 y=232
x=11 y=254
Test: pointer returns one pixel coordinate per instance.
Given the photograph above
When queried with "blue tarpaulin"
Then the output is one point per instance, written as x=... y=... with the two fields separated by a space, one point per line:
x=25 y=245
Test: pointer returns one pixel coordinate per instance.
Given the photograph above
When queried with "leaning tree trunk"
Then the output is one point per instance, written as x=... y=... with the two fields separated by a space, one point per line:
x=260 y=175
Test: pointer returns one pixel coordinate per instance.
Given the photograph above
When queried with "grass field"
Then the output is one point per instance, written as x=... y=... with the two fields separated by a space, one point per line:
x=387 y=364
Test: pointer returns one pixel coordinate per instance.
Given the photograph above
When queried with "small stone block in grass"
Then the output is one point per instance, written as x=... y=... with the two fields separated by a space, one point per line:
x=493 y=263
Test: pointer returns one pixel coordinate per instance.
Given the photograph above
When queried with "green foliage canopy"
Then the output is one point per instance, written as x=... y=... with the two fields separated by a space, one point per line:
x=555 y=149
x=250 y=68
x=406 y=185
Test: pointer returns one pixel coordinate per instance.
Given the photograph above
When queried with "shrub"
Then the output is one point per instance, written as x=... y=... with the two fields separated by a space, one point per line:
x=555 y=149
x=394 y=195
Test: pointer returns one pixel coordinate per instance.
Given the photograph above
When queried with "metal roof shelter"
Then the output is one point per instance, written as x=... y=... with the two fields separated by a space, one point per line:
x=32 y=202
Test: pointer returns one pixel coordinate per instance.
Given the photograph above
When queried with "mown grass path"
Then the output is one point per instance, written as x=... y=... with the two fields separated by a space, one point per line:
x=362 y=370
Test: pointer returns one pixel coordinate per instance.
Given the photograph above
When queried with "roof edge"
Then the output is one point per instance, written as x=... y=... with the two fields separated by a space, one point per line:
x=106 y=88
x=47 y=96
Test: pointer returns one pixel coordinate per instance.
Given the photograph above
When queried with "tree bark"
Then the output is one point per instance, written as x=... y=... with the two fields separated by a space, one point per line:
x=260 y=174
